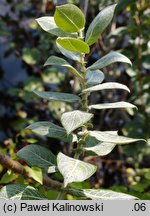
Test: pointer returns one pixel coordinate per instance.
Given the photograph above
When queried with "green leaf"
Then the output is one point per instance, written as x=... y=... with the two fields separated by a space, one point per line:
x=74 y=119
x=108 y=59
x=38 y=156
x=99 y=24
x=94 y=77
x=108 y=85
x=112 y=105
x=72 y=55
x=101 y=194
x=74 y=45
x=45 y=128
x=112 y=138
x=8 y=177
x=54 y=60
x=69 y=18
x=74 y=170
x=147 y=174
x=48 y=24
x=35 y=173
x=57 y=96
x=20 y=192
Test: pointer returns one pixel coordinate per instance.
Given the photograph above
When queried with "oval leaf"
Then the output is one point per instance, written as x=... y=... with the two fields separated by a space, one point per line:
x=72 y=55
x=38 y=156
x=112 y=138
x=57 y=96
x=99 y=24
x=54 y=60
x=69 y=18
x=48 y=24
x=94 y=77
x=20 y=192
x=74 y=170
x=108 y=59
x=101 y=194
x=108 y=85
x=74 y=45
x=49 y=129
x=74 y=119
x=112 y=105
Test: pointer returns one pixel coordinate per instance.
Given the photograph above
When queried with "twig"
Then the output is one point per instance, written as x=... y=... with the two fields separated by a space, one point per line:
x=19 y=168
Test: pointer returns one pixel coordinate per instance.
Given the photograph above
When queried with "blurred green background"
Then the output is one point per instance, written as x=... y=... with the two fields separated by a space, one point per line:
x=24 y=48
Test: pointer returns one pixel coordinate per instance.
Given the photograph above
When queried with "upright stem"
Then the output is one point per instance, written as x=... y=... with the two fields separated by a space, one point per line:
x=84 y=98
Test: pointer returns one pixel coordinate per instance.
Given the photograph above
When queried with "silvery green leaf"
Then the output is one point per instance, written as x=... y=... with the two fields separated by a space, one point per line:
x=49 y=129
x=108 y=59
x=101 y=194
x=69 y=18
x=108 y=85
x=116 y=105
x=54 y=60
x=98 y=147
x=73 y=44
x=20 y=192
x=94 y=77
x=38 y=156
x=111 y=138
x=72 y=55
x=74 y=119
x=74 y=170
x=48 y=24
x=99 y=24
x=102 y=148
x=58 y=96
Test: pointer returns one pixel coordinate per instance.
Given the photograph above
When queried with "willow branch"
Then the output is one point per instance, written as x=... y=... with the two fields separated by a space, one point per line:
x=17 y=167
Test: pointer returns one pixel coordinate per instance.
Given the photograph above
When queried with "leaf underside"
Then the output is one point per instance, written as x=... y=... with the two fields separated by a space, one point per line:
x=74 y=170
x=74 y=119
x=20 y=192
x=108 y=59
x=101 y=194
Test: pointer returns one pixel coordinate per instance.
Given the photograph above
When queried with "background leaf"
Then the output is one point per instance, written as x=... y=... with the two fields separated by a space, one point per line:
x=74 y=119
x=35 y=173
x=74 y=170
x=74 y=45
x=69 y=18
x=108 y=59
x=99 y=24
x=20 y=192
x=38 y=156
x=8 y=177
